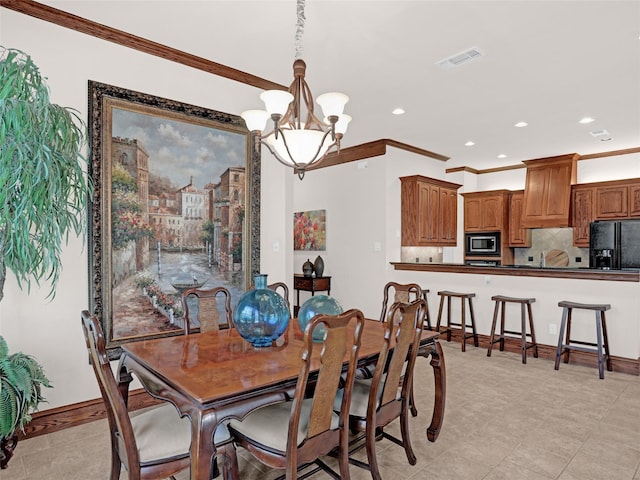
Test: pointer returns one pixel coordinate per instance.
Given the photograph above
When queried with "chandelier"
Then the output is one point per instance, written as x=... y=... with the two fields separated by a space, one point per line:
x=299 y=139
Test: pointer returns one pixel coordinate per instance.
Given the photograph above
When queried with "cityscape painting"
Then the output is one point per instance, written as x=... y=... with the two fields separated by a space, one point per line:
x=176 y=206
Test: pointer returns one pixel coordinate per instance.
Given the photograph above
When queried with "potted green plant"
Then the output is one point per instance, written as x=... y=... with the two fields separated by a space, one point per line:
x=43 y=197
x=21 y=382
x=43 y=188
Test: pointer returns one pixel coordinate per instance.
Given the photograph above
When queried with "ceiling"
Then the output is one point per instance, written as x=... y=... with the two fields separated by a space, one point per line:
x=548 y=63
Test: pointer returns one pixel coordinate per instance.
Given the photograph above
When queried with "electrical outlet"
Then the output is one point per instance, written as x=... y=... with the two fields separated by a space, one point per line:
x=578 y=259
x=552 y=329
x=487 y=279
x=529 y=259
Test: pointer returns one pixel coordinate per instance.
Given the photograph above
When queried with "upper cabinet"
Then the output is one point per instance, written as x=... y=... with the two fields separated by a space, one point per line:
x=429 y=211
x=486 y=211
x=614 y=200
x=518 y=236
x=547 y=191
x=581 y=213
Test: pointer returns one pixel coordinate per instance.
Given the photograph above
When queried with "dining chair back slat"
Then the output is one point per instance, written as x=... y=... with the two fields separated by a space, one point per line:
x=398 y=293
x=200 y=307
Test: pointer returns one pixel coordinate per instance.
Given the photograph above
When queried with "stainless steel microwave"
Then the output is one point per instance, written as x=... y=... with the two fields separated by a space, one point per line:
x=482 y=244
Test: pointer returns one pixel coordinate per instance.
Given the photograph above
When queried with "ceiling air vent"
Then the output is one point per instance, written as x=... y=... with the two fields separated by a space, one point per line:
x=602 y=135
x=459 y=58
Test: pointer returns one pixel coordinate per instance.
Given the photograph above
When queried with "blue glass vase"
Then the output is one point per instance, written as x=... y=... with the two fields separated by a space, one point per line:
x=314 y=306
x=262 y=315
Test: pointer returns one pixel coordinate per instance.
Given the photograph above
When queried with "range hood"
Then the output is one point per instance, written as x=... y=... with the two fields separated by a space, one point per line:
x=547 y=191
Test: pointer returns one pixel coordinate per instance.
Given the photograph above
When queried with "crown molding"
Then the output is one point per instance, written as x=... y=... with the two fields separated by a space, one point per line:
x=591 y=156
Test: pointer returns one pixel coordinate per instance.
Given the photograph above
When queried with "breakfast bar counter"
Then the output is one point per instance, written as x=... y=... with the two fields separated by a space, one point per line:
x=549 y=286
x=631 y=275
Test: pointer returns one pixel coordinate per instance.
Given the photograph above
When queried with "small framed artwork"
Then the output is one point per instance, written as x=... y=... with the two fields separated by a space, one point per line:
x=309 y=230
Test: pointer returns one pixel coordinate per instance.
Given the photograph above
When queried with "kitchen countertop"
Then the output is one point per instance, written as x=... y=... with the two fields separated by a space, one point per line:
x=627 y=275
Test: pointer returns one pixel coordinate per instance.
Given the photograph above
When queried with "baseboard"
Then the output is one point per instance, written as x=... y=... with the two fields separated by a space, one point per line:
x=56 y=419
x=548 y=352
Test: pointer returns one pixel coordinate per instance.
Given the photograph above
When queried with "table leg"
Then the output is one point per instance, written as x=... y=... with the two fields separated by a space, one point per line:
x=434 y=350
x=202 y=448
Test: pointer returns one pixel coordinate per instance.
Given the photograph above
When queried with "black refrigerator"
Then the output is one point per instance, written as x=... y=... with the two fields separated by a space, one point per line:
x=614 y=244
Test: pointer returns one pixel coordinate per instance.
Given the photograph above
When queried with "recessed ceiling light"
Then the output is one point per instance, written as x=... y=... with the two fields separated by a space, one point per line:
x=521 y=124
x=398 y=111
x=502 y=155
x=586 y=120
x=469 y=144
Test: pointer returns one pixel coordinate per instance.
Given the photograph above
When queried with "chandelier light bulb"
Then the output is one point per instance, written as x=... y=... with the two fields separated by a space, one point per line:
x=332 y=103
x=276 y=101
x=256 y=120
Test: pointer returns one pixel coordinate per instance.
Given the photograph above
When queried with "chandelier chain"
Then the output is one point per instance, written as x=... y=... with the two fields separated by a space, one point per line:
x=299 y=28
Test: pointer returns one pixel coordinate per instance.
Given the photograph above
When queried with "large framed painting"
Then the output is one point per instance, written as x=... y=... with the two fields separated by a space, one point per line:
x=176 y=205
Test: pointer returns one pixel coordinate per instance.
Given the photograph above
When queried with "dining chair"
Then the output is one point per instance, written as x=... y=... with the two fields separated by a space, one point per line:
x=401 y=292
x=378 y=401
x=398 y=292
x=285 y=291
x=150 y=444
x=204 y=309
x=295 y=433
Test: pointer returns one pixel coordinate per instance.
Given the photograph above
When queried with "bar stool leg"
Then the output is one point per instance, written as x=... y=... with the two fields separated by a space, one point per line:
x=599 y=345
x=606 y=341
x=464 y=327
x=449 y=320
x=533 y=332
x=427 y=316
x=473 y=322
x=439 y=318
x=493 y=328
x=502 y=317
x=523 y=329
x=563 y=324
x=568 y=338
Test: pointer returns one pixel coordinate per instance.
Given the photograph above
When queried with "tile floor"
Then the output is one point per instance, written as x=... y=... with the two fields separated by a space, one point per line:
x=503 y=421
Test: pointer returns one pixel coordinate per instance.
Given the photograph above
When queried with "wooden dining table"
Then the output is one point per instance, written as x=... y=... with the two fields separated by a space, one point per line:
x=214 y=376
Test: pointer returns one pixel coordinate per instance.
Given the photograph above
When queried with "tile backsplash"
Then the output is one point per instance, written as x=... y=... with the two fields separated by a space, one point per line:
x=545 y=239
x=421 y=254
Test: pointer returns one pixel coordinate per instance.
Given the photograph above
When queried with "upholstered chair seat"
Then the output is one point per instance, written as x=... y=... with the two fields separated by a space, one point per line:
x=268 y=425
x=161 y=433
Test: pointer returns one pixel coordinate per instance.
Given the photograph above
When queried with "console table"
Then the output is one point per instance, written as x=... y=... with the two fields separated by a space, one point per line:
x=309 y=284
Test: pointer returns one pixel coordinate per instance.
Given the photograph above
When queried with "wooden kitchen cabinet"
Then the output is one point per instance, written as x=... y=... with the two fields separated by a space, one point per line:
x=518 y=236
x=547 y=191
x=448 y=218
x=429 y=211
x=612 y=202
x=486 y=211
x=634 y=200
x=581 y=214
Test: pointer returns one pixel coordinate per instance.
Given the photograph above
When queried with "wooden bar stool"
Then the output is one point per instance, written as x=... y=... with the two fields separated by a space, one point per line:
x=427 y=320
x=463 y=326
x=525 y=307
x=602 y=340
